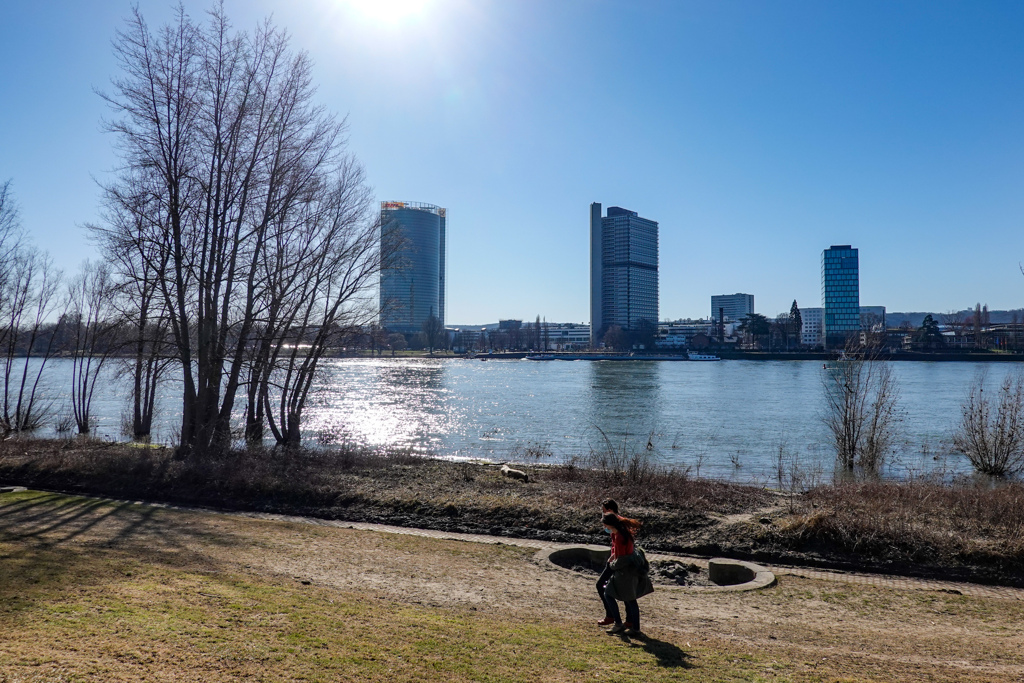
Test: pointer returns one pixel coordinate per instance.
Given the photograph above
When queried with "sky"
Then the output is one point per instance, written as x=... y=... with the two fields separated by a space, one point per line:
x=756 y=133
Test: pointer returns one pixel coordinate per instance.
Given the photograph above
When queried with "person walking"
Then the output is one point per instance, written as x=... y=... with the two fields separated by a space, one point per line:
x=629 y=580
x=607 y=506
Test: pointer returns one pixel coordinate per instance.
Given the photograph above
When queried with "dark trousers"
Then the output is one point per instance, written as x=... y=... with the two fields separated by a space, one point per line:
x=611 y=607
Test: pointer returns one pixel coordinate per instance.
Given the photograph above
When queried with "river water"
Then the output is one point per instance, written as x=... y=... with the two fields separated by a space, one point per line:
x=727 y=419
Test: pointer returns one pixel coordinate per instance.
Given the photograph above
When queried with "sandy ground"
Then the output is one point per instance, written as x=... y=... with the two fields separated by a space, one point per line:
x=824 y=629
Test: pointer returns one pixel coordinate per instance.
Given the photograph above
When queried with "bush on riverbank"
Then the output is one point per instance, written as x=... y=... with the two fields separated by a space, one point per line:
x=917 y=523
x=922 y=527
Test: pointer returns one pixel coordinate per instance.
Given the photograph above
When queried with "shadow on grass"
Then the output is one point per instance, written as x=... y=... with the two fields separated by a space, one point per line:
x=51 y=543
x=669 y=656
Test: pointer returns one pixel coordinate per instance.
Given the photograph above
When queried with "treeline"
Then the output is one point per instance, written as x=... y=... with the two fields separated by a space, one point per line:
x=238 y=242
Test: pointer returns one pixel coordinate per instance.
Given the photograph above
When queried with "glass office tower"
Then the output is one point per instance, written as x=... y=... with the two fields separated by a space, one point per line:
x=623 y=270
x=840 y=294
x=413 y=288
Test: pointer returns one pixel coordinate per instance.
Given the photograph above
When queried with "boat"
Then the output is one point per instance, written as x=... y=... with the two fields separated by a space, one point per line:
x=703 y=356
x=541 y=356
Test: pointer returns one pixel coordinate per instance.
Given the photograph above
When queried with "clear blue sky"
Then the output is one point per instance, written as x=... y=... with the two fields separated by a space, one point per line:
x=756 y=133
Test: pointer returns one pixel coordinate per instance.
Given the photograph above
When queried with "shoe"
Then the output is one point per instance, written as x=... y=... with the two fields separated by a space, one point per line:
x=634 y=632
x=606 y=621
x=618 y=628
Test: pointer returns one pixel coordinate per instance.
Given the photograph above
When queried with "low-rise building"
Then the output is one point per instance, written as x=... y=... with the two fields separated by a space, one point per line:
x=677 y=334
x=565 y=336
x=872 y=318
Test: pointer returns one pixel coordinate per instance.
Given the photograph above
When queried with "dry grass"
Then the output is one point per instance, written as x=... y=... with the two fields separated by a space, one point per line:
x=915 y=523
x=328 y=482
x=93 y=590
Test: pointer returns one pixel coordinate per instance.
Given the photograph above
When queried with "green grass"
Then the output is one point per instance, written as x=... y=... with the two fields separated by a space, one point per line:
x=88 y=610
x=117 y=619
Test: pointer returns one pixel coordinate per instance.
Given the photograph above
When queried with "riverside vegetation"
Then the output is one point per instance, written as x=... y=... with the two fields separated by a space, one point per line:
x=959 y=530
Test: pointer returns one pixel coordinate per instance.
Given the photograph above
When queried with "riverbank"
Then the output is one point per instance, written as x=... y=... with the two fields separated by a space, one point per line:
x=915 y=528
x=109 y=591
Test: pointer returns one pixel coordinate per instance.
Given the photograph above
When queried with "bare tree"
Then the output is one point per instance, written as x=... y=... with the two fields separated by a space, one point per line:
x=883 y=416
x=377 y=338
x=91 y=323
x=329 y=259
x=28 y=291
x=220 y=130
x=861 y=410
x=136 y=266
x=396 y=342
x=433 y=332
x=30 y=298
x=991 y=432
x=780 y=329
x=10 y=242
x=954 y=320
x=10 y=228
x=978 y=326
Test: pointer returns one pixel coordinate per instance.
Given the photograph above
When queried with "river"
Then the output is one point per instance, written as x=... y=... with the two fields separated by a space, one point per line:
x=727 y=419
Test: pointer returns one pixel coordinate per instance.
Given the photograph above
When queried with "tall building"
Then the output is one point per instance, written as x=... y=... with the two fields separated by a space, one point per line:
x=732 y=306
x=840 y=294
x=413 y=289
x=623 y=270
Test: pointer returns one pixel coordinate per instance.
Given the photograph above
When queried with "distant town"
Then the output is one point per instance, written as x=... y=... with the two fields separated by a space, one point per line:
x=624 y=298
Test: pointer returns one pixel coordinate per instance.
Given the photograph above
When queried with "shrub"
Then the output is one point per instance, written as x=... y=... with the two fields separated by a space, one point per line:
x=991 y=431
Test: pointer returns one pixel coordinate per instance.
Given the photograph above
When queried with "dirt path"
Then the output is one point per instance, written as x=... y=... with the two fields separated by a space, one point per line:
x=827 y=628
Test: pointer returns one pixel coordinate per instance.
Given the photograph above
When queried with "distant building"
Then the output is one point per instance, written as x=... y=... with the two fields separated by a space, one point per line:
x=840 y=294
x=466 y=338
x=872 y=318
x=565 y=336
x=733 y=306
x=811 y=326
x=678 y=334
x=414 y=289
x=623 y=270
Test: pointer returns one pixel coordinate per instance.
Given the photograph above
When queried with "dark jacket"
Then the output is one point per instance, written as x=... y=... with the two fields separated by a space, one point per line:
x=630 y=580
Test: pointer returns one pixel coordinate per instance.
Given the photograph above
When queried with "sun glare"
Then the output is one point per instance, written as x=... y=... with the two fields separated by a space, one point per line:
x=389 y=11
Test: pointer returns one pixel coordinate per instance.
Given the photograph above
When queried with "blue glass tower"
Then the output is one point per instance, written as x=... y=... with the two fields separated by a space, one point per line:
x=840 y=294
x=412 y=288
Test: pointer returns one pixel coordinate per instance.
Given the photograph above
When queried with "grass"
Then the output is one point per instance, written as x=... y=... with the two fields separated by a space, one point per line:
x=963 y=530
x=79 y=607
x=155 y=621
x=107 y=591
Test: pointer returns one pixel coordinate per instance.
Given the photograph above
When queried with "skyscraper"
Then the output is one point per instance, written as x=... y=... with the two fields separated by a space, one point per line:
x=840 y=294
x=623 y=270
x=413 y=289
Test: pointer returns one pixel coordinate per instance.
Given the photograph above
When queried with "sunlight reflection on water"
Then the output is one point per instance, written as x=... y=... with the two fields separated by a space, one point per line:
x=726 y=419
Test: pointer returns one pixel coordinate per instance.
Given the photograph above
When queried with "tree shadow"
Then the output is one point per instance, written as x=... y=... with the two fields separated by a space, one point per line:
x=51 y=544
